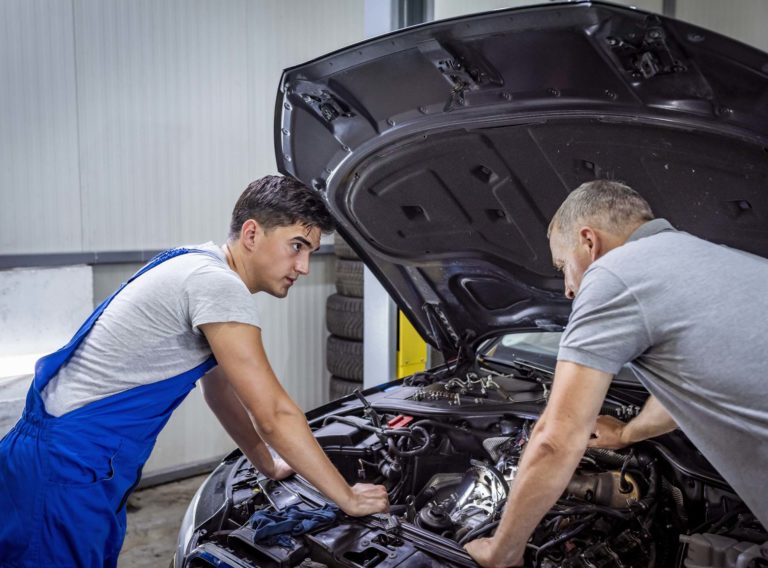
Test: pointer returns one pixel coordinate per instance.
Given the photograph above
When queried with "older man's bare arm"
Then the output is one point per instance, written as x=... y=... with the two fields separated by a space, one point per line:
x=553 y=452
x=614 y=434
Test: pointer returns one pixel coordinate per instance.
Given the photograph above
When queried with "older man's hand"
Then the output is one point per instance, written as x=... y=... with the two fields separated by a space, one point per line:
x=608 y=434
x=484 y=551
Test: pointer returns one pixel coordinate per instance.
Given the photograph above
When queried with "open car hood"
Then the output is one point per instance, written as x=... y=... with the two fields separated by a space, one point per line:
x=443 y=150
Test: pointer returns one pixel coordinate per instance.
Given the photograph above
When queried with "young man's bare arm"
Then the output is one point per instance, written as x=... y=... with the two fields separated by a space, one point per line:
x=239 y=351
x=226 y=406
x=614 y=434
x=557 y=443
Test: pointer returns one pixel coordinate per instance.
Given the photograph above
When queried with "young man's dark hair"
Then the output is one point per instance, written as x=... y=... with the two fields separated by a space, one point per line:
x=278 y=201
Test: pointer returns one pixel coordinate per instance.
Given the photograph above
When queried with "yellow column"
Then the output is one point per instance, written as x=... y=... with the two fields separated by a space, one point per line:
x=411 y=348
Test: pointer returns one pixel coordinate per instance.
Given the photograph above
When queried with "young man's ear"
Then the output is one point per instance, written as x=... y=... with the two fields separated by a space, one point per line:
x=250 y=233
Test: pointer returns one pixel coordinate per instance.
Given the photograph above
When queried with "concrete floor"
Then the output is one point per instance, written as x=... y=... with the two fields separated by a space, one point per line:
x=154 y=518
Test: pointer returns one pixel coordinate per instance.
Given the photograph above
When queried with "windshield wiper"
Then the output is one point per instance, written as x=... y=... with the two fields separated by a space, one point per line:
x=524 y=369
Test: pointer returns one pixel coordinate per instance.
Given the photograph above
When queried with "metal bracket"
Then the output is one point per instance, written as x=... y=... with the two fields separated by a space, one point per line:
x=464 y=72
x=646 y=56
x=326 y=105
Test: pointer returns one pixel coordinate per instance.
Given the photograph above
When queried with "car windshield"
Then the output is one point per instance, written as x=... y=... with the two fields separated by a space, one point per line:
x=540 y=349
x=535 y=347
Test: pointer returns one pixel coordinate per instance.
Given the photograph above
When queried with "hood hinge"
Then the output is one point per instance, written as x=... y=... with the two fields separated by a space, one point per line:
x=649 y=55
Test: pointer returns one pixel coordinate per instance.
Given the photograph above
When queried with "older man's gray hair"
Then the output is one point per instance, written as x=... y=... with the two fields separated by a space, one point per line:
x=608 y=205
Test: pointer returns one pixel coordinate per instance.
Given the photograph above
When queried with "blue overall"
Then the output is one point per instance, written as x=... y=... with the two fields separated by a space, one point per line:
x=64 y=481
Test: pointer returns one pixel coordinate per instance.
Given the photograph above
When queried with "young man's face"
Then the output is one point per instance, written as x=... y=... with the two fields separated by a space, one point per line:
x=571 y=260
x=279 y=256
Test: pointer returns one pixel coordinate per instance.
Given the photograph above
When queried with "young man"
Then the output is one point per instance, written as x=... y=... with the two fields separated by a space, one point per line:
x=690 y=316
x=97 y=405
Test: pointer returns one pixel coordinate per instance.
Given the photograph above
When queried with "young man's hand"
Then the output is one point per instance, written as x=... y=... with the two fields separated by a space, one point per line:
x=366 y=499
x=484 y=553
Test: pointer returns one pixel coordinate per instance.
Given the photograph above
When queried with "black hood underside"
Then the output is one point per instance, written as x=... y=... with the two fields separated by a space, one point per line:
x=444 y=150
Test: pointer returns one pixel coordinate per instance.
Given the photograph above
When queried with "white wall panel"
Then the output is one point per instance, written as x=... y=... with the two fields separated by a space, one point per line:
x=282 y=34
x=40 y=309
x=129 y=125
x=162 y=93
x=744 y=20
x=39 y=185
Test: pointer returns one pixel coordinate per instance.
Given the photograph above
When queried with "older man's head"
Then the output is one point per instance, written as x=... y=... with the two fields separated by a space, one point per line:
x=596 y=217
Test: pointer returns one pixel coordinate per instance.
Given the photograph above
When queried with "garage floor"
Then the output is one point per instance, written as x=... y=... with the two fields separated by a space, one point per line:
x=154 y=517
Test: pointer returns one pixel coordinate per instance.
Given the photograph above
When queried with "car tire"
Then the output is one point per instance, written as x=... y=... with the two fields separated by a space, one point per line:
x=342 y=250
x=349 y=277
x=345 y=358
x=344 y=316
x=342 y=387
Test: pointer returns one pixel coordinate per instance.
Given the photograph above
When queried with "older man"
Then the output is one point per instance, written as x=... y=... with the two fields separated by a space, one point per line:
x=691 y=316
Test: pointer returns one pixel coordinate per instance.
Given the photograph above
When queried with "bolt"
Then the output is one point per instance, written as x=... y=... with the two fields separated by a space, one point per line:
x=723 y=111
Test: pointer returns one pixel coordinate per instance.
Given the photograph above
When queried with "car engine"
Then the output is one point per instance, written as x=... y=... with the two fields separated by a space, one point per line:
x=448 y=448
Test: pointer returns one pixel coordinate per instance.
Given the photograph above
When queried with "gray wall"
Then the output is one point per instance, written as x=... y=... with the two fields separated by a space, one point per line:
x=130 y=125
x=741 y=19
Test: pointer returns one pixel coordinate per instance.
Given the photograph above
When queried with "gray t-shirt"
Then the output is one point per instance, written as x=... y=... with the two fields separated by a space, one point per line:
x=692 y=317
x=149 y=332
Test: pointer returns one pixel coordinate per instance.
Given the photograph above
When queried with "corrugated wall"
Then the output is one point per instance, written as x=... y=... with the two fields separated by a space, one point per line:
x=129 y=125
x=39 y=173
x=162 y=103
x=745 y=20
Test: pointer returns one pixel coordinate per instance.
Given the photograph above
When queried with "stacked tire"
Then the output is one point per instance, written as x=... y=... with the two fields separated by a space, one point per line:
x=344 y=321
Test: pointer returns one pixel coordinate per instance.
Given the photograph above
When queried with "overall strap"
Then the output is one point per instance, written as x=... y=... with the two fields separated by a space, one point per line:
x=46 y=367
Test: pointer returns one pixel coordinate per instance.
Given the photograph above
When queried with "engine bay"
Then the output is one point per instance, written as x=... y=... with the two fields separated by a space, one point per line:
x=448 y=449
